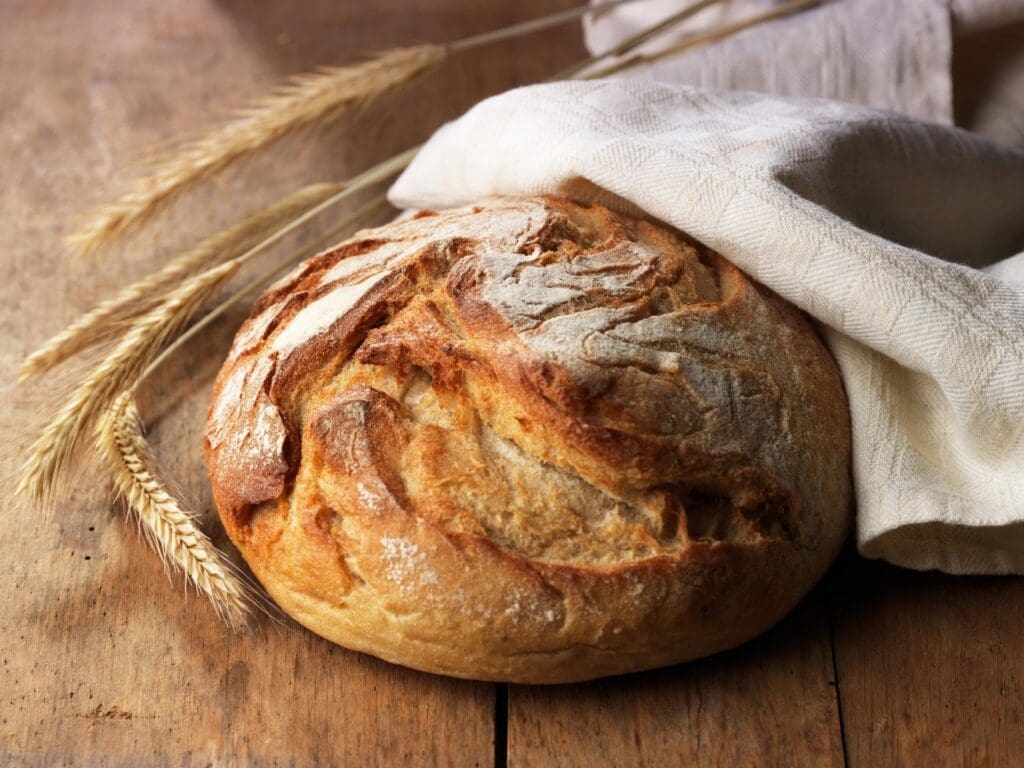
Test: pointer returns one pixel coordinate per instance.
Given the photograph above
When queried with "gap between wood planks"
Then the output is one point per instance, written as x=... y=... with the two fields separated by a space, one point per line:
x=501 y=725
x=828 y=597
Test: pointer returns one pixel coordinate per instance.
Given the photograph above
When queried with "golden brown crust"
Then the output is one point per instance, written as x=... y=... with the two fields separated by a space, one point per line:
x=530 y=440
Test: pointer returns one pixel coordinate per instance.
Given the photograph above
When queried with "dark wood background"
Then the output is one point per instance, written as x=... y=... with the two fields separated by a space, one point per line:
x=104 y=661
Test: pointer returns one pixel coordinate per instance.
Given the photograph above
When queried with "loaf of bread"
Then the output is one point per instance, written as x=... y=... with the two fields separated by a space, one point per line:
x=530 y=440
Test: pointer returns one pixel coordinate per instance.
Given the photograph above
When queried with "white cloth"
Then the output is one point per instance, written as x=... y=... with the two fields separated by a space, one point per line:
x=866 y=220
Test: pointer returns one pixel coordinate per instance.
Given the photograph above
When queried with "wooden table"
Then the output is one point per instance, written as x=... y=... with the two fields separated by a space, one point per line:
x=105 y=662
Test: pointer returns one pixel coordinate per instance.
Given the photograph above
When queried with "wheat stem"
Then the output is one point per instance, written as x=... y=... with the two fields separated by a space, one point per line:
x=533 y=25
x=143 y=294
x=633 y=42
x=304 y=100
x=638 y=59
x=171 y=528
x=54 y=449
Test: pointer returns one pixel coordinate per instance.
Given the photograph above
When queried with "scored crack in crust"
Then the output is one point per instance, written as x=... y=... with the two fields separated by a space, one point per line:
x=530 y=440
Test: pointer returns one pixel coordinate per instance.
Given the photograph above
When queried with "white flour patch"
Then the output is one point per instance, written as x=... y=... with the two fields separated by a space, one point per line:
x=380 y=256
x=318 y=316
x=369 y=498
x=254 y=330
x=406 y=565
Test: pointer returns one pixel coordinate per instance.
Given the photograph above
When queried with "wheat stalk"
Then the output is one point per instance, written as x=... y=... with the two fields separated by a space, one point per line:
x=634 y=41
x=53 y=450
x=306 y=99
x=711 y=36
x=534 y=25
x=170 y=528
x=143 y=294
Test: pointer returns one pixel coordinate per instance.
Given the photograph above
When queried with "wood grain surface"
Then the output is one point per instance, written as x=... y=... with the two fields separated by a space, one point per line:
x=106 y=662
x=771 y=702
x=931 y=667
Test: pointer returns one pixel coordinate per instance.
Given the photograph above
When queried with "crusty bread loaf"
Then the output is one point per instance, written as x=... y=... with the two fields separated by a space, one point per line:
x=532 y=441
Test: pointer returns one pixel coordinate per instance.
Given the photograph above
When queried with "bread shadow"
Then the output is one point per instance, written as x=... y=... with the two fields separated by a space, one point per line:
x=797 y=635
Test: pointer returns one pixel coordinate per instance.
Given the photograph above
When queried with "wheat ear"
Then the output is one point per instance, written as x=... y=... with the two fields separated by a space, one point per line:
x=101 y=321
x=53 y=450
x=306 y=99
x=171 y=529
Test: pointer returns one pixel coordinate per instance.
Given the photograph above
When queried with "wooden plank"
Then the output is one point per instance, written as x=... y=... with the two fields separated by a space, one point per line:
x=930 y=667
x=102 y=662
x=770 y=702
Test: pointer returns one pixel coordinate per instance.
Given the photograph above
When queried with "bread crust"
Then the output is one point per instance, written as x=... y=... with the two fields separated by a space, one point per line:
x=530 y=440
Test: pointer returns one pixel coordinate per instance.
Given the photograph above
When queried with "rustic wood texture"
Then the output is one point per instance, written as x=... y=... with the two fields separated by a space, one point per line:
x=105 y=662
x=770 y=702
x=930 y=667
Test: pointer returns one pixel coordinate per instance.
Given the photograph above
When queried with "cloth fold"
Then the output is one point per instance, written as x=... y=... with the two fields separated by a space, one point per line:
x=865 y=219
